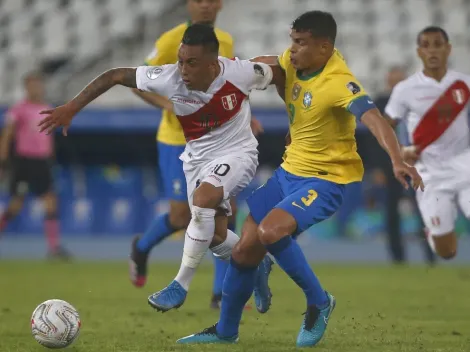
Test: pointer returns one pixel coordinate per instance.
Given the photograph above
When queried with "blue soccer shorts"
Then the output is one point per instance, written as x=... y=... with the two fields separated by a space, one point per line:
x=309 y=200
x=173 y=181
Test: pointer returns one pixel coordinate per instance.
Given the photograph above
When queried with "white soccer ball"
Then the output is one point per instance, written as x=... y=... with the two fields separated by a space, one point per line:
x=55 y=323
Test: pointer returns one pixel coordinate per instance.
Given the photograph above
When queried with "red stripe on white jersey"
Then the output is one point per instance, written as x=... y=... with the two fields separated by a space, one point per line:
x=441 y=114
x=223 y=106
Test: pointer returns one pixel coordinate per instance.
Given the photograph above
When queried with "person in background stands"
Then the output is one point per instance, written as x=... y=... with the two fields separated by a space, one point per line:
x=32 y=162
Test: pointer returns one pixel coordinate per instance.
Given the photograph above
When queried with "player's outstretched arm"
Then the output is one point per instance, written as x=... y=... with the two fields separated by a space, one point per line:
x=279 y=76
x=62 y=116
x=387 y=138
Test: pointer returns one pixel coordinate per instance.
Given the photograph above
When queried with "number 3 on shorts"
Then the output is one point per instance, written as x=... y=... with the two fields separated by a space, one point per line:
x=308 y=200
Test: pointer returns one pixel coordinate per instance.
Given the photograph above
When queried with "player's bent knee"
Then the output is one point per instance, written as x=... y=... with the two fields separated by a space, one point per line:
x=269 y=233
x=446 y=245
x=246 y=255
x=208 y=196
x=275 y=226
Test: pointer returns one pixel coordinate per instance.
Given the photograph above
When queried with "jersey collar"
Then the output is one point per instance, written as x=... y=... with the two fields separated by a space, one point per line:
x=310 y=76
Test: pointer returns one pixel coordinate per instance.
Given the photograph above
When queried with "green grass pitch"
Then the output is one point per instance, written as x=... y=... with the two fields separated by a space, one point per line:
x=379 y=308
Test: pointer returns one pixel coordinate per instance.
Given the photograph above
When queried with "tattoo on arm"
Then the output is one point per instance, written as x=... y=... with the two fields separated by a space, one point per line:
x=101 y=84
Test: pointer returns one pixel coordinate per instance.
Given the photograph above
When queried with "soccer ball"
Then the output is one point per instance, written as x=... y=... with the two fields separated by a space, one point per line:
x=55 y=323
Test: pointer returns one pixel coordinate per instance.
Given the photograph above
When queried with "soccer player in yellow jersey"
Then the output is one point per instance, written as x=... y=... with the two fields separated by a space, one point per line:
x=323 y=99
x=170 y=144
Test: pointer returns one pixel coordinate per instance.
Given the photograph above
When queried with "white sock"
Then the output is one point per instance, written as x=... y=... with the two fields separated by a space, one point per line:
x=224 y=250
x=198 y=238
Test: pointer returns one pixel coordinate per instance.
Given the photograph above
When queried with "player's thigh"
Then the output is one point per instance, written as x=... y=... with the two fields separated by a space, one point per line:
x=438 y=210
x=314 y=201
x=19 y=179
x=41 y=181
x=249 y=251
x=232 y=173
x=265 y=198
x=171 y=172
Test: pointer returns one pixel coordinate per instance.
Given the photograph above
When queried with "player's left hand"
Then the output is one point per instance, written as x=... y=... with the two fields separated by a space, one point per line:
x=59 y=117
x=256 y=127
x=402 y=169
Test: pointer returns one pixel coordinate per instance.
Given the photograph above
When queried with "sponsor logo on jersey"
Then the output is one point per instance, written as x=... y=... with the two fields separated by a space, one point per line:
x=189 y=101
x=229 y=101
x=296 y=89
x=307 y=99
x=258 y=70
x=353 y=87
x=154 y=72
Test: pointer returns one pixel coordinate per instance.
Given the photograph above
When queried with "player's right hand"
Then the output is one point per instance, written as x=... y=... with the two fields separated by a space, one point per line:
x=59 y=117
x=410 y=154
x=402 y=169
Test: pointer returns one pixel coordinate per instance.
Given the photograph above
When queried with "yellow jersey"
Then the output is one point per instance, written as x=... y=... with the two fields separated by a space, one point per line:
x=321 y=124
x=166 y=52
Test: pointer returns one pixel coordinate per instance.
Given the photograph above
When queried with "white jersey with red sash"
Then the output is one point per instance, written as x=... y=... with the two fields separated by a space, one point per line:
x=436 y=116
x=221 y=148
x=217 y=121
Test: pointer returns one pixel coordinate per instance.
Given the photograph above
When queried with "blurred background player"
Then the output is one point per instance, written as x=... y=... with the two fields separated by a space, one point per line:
x=170 y=145
x=434 y=105
x=32 y=161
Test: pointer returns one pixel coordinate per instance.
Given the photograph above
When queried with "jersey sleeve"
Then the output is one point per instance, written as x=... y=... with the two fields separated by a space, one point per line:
x=156 y=79
x=247 y=75
x=396 y=107
x=348 y=93
x=162 y=53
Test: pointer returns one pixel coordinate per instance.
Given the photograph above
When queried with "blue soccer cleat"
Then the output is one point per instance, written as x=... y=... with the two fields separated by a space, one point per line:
x=171 y=297
x=315 y=323
x=262 y=291
x=207 y=336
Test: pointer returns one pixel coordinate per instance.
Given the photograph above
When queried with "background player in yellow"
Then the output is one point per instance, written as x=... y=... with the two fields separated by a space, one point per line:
x=323 y=99
x=170 y=144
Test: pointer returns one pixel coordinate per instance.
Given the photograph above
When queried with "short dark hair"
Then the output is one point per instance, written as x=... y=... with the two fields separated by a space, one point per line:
x=319 y=23
x=433 y=29
x=202 y=34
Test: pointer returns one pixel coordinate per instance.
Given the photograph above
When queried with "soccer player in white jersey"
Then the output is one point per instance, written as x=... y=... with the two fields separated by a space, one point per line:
x=434 y=105
x=210 y=98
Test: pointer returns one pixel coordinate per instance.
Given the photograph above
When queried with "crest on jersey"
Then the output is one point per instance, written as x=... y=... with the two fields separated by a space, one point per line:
x=229 y=101
x=296 y=89
x=459 y=96
x=154 y=72
x=307 y=99
x=177 y=186
x=353 y=87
